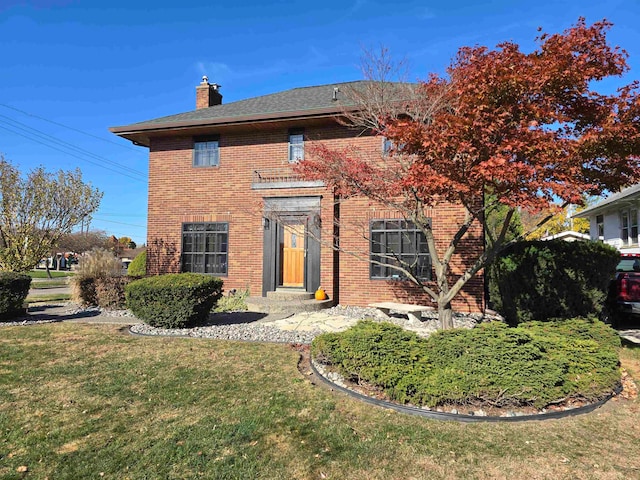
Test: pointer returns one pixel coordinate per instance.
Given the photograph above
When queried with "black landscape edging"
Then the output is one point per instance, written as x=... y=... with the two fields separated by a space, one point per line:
x=457 y=417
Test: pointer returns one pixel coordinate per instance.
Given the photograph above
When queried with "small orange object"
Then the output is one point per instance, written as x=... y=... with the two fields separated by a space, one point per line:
x=321 y=294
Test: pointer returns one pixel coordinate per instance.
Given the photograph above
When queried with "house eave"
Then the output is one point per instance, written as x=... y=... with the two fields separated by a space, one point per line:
x=627 y=197
x=140 y=135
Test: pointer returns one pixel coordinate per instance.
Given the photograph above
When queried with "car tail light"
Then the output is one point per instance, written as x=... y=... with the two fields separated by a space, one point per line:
x=623 y=291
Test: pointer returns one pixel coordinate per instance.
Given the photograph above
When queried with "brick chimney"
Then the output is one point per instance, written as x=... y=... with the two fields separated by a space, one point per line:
x=207 y=94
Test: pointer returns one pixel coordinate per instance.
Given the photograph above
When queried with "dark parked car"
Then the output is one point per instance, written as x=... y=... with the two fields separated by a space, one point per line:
x=623 y=299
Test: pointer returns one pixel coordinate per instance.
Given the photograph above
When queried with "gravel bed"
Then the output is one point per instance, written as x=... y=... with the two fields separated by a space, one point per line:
x=79 y=310
x=427 y=326
x=259 y=332
x=240 y=331
x=22 y=322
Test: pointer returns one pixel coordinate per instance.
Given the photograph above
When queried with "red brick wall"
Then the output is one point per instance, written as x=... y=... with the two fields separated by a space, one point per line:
x=181 y=193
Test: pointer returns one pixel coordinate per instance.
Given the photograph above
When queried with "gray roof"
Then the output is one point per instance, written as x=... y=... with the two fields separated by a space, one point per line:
x=284 y=104
x=626 y=195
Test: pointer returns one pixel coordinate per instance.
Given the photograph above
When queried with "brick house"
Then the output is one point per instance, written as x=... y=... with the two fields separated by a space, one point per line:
x=224 y=200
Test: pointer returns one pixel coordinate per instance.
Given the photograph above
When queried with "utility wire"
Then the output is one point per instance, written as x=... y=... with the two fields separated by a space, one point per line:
x=110 y=214
x=119 y=223
x=137 y=150
x=139 y=179
x=38 y=133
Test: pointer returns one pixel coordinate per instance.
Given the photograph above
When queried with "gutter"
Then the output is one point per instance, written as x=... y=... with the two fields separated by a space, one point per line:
x=239 y=120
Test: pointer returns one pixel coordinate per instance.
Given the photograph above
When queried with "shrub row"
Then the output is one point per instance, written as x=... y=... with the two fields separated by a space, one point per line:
x=14 y=288
x=556 y=279
x=175 y=300
x=534 y=364
x=106 y=292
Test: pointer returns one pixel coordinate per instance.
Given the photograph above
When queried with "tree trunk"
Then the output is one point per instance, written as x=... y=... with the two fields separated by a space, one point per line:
x=445 y=316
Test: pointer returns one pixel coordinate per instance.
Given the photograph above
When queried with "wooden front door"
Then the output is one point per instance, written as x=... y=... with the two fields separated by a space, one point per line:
x=293 y=256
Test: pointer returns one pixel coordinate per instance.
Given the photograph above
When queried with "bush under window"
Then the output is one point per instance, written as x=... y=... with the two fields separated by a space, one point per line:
x=176 y=300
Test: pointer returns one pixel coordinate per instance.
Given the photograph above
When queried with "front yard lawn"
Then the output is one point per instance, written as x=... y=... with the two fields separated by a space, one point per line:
x=87 y=401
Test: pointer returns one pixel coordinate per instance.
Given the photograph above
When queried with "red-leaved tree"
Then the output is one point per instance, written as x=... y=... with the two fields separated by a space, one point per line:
x=504 y=127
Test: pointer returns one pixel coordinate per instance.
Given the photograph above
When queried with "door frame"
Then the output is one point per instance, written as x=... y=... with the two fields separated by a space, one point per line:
x=279 y=211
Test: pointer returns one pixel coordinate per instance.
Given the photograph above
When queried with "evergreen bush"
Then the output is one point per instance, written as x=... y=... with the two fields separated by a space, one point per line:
x=14 y=288
x=176 y=300
x=534 y=364
x=555 y=279
x=138 y=267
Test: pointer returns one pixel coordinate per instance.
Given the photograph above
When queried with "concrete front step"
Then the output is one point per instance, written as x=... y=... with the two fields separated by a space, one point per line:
x=290 y=294
x=276 y=305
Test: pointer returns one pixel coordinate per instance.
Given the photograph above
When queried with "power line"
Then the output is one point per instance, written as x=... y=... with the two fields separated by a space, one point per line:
x=50 y=138
x=139 y=179
x=119 y=223
x=110 y=214
x=137 y=150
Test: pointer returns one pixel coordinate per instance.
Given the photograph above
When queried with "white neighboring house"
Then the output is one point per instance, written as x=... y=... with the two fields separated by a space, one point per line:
x=614 y=220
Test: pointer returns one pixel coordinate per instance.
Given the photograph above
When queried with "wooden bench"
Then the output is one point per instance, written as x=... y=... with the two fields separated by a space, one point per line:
x=413 y=312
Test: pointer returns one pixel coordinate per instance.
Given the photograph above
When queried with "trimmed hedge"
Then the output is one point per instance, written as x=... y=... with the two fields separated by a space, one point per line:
x=110 y=291
x=14 y=288
x=176 y=300
x=534 y=364
x=555 y=279
x=138 y=267
x=83 y=290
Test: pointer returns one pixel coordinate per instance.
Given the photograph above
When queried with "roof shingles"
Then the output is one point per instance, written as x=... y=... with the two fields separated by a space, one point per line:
x=290 y=101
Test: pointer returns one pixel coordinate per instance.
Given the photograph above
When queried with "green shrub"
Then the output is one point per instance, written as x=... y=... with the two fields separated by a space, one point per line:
x=109 y=291
x=534 y=364
x=138 y=267
x=556 y=279
x=14 y=288
x=175 y=300
x=233 y=302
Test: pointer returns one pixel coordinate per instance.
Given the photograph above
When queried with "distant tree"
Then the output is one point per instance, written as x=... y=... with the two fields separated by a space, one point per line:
x=495 y=219
x=126 y=242
x=530 y=128
x=37 y=210
x=80 y=242
x=559 y=220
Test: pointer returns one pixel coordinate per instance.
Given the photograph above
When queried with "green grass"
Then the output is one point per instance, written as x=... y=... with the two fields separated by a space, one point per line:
x=52 y=297
x=42 y=284
x=89 y=401
x=43 y=274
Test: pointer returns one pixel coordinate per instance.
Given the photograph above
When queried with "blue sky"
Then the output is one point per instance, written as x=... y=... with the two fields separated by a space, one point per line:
x=71 y=69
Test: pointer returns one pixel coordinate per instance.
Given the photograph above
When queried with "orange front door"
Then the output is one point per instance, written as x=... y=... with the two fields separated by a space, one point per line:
x=293 y=256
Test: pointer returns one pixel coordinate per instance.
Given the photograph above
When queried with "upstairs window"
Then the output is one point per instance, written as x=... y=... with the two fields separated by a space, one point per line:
x=206 y=152
x=398 y=242
x=296 y=146
x=387 y=146
x=205 y=247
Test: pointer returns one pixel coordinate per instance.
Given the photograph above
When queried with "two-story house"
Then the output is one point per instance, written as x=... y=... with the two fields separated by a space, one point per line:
x=224 y=200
